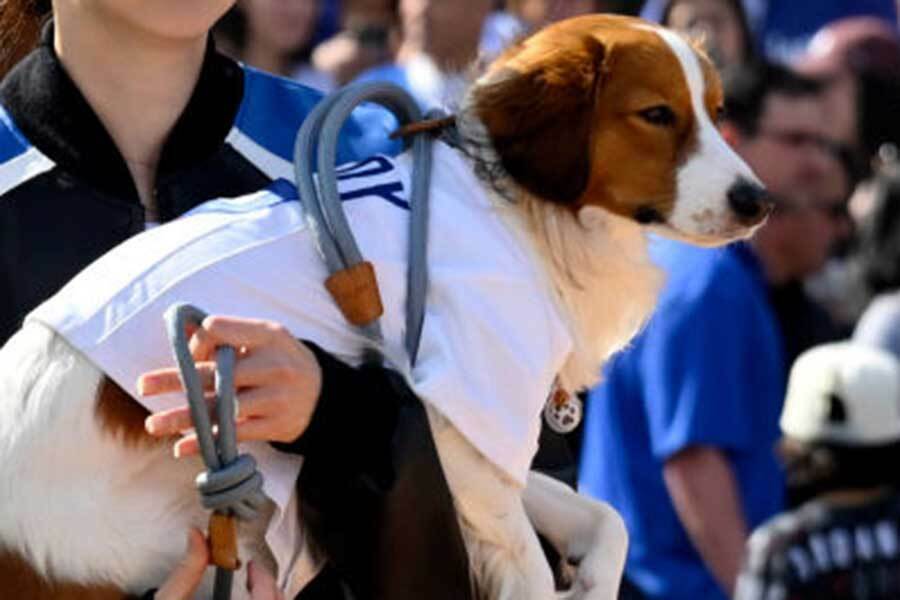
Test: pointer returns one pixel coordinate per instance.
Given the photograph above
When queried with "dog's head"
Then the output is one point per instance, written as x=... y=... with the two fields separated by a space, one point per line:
x=614 y=112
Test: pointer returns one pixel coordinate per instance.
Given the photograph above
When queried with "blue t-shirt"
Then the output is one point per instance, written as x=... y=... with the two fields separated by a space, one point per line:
x=707 y=371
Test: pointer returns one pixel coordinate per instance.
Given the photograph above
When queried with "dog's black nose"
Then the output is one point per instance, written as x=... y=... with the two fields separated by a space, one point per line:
x=748 y=200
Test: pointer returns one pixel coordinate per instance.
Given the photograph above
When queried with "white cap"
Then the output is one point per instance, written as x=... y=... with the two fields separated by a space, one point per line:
x=843 y=393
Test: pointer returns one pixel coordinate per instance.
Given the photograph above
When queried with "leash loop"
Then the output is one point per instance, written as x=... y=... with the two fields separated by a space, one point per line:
x=231 y=486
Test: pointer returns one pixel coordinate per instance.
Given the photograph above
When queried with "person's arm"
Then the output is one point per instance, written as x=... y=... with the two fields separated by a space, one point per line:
x=704 y=492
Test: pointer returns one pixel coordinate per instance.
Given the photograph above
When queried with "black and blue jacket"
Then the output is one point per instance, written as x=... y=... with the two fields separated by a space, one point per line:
x=66 y=195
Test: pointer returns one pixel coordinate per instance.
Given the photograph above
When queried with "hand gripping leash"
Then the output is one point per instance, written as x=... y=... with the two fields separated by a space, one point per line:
x=231 y=486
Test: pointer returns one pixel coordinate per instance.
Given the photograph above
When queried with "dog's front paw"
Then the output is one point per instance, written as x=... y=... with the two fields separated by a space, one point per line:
x=596 y=559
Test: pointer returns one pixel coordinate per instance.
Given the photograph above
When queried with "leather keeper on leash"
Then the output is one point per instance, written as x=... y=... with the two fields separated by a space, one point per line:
x=355 y=291
x=223 y=546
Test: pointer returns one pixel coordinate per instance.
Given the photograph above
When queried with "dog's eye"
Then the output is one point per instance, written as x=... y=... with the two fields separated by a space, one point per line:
x=661 y=115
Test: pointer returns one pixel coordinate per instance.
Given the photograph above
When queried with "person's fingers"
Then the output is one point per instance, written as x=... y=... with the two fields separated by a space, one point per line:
x=265 y=429
x=238 y=332
x=186 y=446
x=254 y=402
x=168 y=380
x=250 y=370
x=261 y=584
x=202 y=345
x=174 y=420
x=184 y=580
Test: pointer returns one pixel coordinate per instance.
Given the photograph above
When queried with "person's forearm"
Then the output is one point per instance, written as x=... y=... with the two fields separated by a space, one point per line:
x=704 y=492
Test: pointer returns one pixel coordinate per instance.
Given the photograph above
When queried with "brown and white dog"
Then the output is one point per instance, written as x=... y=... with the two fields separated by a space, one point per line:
x=588 y=134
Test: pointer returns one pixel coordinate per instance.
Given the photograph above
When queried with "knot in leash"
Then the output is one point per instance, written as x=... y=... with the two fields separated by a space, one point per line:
x=235 y=487
x=231 y=486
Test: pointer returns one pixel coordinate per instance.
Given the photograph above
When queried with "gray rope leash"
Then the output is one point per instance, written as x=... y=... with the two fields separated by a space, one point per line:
x=322 y=204
x=231 y=486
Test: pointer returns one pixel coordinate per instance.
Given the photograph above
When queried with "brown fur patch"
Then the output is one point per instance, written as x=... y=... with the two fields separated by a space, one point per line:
x=18 y=580
x=121 y=415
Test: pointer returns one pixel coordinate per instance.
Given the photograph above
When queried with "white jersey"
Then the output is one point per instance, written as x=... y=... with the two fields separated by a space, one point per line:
x=493 y=338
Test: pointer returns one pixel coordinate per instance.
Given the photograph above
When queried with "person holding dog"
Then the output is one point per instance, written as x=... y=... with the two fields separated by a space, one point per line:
x=125 y=116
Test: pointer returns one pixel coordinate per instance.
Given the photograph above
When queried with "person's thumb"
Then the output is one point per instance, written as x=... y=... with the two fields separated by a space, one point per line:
x=261 y=584
x=185 y=578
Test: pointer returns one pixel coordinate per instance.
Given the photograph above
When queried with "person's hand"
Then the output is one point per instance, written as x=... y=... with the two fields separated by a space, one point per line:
x=278 y=381
x=184 y=580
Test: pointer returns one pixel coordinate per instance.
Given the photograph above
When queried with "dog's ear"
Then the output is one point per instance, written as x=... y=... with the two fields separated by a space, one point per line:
x=538 y=111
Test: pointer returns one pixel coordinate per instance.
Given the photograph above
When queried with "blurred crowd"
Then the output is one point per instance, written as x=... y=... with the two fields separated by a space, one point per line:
x=690 y=436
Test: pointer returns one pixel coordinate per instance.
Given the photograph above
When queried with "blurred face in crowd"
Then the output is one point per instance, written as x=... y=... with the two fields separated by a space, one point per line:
x=287 y=25
x=713 y=21
x=450 y=29
x=161 y=19
x=840 y=107
x=789 y=151
x=814 y=220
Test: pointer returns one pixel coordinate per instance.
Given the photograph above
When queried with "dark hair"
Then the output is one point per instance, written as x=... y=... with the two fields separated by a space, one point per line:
x=737 y=8
x=814 y=468
x=747 y=86
x=20 y=29
x=879 y=235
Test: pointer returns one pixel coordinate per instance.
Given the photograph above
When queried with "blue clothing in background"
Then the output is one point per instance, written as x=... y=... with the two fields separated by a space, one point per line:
x=784 y=27
x=706 y=371
x=790 y=25
x=390 y=72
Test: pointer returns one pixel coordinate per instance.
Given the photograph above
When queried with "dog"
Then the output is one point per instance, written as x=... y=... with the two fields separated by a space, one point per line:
x=573 y=145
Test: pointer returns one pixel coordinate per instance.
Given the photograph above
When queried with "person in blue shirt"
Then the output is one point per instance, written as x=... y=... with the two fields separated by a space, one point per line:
x=679 y=434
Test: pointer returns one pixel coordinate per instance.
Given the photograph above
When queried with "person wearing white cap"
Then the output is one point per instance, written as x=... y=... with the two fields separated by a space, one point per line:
x=841 y=426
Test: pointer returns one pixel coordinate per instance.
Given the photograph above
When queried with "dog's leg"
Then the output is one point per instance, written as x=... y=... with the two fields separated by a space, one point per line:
x=506 y=558
x=584 y=531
